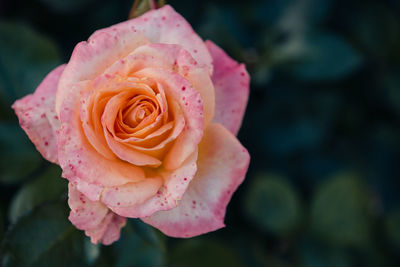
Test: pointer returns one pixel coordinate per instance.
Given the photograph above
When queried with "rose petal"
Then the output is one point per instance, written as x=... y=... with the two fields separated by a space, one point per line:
x=98 y=222
x=85 y=214
x=91 y=191
x=113 y=230
x=132 y=193
x=36 y=113
x=97 y=233
x=176 y=183
x=166 y=26
x=231 y=82
x=222 y=166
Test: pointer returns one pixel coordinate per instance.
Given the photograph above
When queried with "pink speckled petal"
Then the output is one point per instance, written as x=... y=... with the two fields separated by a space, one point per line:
x=98 y=222
x=231 y=82
x=131 y=193
x=166 y=26
x=222 y=166
x=91 y=191
x=175 y=185
x=85 y=214
x=37 y=116
x=113 y=230
x=79 y=160
x=97 y=233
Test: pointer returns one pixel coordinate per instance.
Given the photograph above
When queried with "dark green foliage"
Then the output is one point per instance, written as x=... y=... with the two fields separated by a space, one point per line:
x=198 y=252
x=272 y=204
x=49 y=186
x=19 y=157
x=44 y=238
x=339 y=212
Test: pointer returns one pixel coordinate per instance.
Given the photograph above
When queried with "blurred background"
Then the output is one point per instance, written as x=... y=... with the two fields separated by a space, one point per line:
x=322 y=127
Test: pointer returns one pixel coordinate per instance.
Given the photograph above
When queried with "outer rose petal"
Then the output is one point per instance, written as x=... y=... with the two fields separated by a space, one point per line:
x=98 y=222
x=131 y=193
x=113 y=230
x=231 y=82
x=36 y=113
x=91 y=191
x=165 y=25
x=222 y=166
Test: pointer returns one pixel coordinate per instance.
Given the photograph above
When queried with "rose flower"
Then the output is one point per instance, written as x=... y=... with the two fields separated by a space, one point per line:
x=142 y=121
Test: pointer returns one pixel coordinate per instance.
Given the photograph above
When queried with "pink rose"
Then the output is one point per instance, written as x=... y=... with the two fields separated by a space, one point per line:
x=142 y=121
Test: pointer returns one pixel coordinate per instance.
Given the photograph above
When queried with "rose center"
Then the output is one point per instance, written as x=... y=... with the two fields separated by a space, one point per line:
x=137 y=110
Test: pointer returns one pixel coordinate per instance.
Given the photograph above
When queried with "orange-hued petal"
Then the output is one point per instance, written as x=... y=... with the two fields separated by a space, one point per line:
x=160 y=149
x=122 y=150
x=129 y=154
x=91 y=126
x=150 y=140
x=222 y=166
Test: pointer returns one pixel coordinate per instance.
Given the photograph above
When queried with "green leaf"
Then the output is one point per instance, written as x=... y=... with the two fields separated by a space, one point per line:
x=25 y=59
x=44 y=238
x=133 y=250
x=19 y=157
x=48 y=187
x=339 y=212
x=300 y=16
x=318 y=57
x=273 y=204
x=201 y=252
x=317 y=255
x=147 y=233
